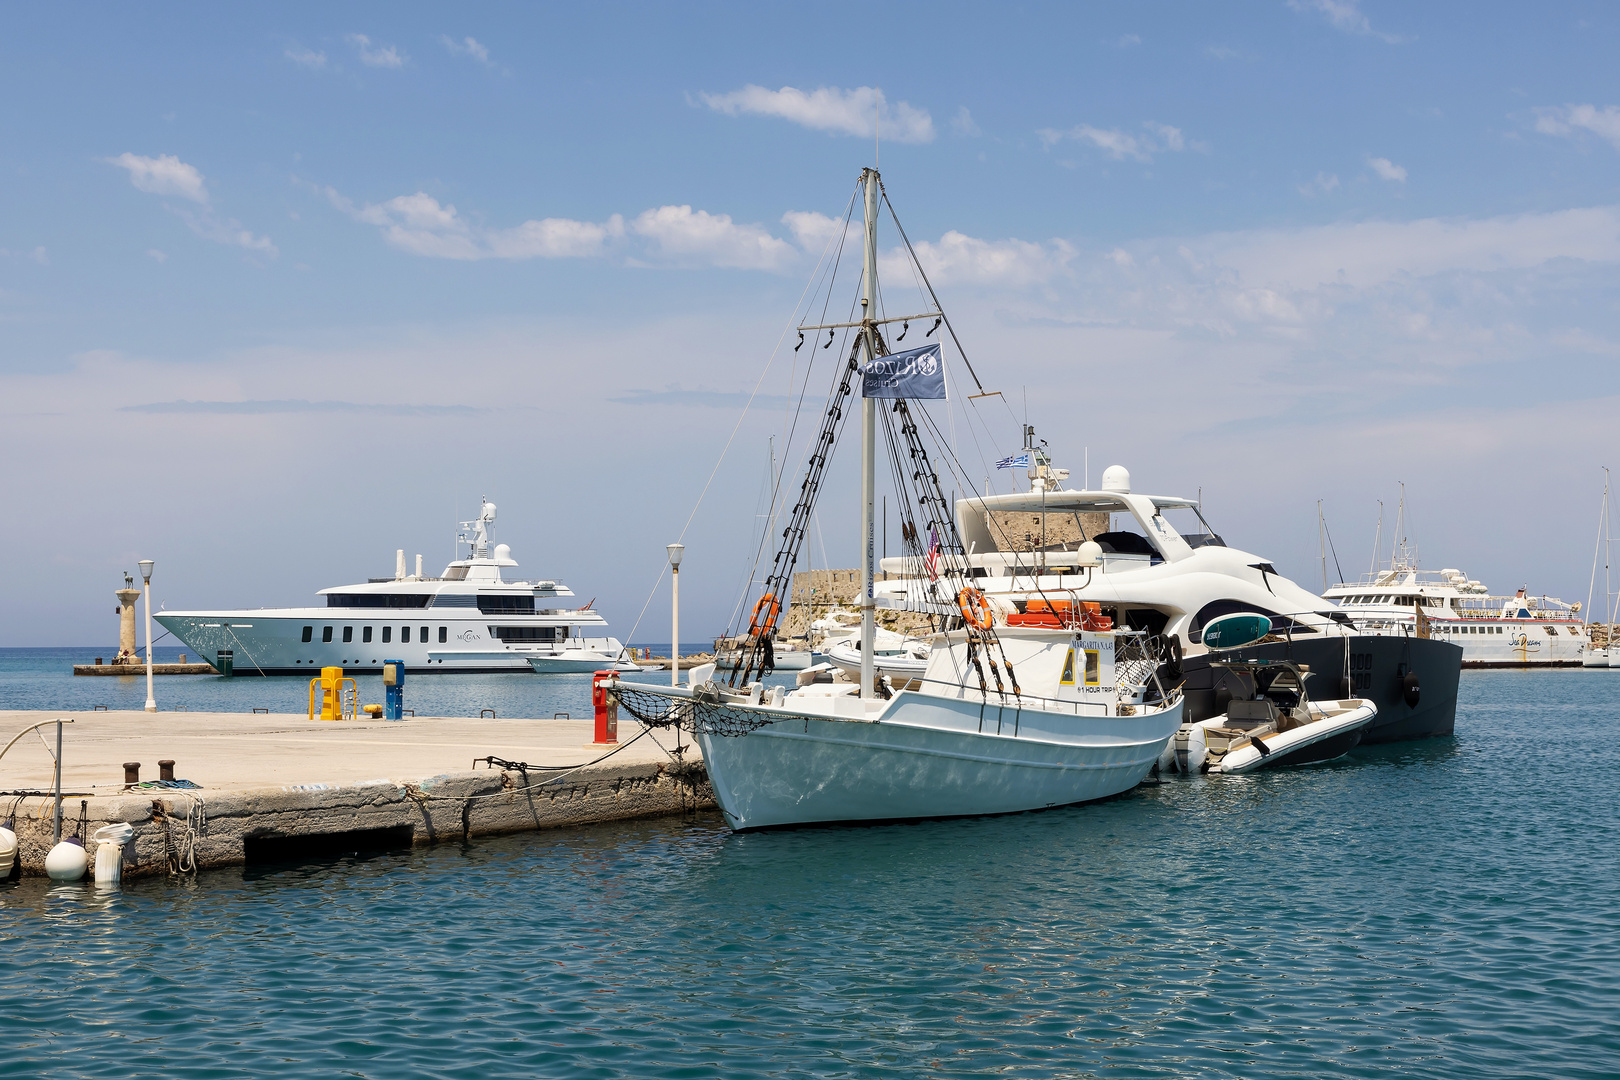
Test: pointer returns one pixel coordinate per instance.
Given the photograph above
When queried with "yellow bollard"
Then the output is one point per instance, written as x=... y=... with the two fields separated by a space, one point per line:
x=334 y=704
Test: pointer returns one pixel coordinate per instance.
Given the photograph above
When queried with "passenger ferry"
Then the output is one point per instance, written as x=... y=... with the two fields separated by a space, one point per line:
x=1494 y=631
x=469 y=619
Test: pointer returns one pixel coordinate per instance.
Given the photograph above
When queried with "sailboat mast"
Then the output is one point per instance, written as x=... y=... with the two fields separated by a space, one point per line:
x=1321 y=544
x=868 y=435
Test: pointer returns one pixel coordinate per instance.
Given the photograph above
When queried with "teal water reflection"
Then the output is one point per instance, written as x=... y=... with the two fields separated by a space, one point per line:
x=1437 y=909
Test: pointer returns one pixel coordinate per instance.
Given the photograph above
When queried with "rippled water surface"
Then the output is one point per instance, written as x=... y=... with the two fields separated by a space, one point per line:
x=1444 y=908
x=43 y=679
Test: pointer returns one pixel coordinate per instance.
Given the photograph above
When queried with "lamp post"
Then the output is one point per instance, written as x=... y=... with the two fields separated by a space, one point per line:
x=146 y=578
x=675 y=552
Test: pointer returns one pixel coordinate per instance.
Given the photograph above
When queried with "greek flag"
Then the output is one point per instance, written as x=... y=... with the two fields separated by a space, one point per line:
x=1017 y=461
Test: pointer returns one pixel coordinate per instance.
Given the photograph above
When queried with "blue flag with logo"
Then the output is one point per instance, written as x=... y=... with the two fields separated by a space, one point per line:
x=915 y=373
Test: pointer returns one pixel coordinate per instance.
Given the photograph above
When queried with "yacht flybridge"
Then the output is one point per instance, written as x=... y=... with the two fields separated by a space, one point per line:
x=469 y=619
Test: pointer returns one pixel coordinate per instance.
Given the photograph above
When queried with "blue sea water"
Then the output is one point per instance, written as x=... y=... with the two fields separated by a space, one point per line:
x=1445 y=908
x=43 y=679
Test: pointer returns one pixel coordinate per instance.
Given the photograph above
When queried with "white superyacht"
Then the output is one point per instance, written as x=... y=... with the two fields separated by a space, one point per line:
x=1494 y=631
x=469 y=619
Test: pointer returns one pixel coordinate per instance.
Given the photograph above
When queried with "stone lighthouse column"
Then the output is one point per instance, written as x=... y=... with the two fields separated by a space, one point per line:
x=126 y=621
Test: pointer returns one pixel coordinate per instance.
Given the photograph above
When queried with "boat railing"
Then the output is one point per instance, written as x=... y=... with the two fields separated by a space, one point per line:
x=1006 y=700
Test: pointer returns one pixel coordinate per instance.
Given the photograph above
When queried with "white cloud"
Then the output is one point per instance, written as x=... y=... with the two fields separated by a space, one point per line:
x=1323 y=184
x=1304 y=274
x=382 y=56
x=1170 y=136
x=1565 y=120
x=1125 y=41
x=843 y=112
x=1221 y=52
x=962 y=123
x=157 y=256
x=421 y=225
x=713 y=239
x=223 y=230
x=960 y=259
x=1387 y=169
x=811 y=231
x=163 y=175
x=1118 y=144
x=168 y=175
x=467 y=47
x=309 y=58
x=38 y=255
x=1345 y=15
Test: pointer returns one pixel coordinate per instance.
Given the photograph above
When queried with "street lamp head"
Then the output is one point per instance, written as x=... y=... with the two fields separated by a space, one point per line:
x=675 y=551
x=146 y=570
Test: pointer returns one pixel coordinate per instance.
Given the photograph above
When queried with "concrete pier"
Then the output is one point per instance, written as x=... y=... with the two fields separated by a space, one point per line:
x=273 y=786
x=139 y=670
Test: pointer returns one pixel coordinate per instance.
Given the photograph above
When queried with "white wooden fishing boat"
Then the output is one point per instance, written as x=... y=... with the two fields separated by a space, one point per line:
x=999 y=719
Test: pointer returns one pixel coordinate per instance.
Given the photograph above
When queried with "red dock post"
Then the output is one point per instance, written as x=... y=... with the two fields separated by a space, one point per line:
x=607 y=710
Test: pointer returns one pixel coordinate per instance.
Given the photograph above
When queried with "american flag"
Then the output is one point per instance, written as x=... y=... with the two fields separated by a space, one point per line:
x=1016 y=461
x=932 y=560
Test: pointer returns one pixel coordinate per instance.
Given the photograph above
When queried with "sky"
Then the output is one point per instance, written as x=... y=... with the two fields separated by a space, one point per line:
x=286 y=288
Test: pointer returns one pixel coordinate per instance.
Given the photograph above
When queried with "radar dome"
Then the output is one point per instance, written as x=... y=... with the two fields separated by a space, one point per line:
x=488 y=513
x=1090 y=554
x=1117 y=478
x=503 y=552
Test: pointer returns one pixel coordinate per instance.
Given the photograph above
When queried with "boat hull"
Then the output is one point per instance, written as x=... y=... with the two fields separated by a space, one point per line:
x=271 y=642
x=928 y=758
x=1367 y=666
x=564 y=664
x=1333 y=738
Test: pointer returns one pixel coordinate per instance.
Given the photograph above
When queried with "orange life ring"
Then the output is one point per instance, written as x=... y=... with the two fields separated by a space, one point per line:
x=974 y=607
x=772 y=609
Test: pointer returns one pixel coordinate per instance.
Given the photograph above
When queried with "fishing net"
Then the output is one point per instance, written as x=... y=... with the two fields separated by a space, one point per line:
x=704 y=713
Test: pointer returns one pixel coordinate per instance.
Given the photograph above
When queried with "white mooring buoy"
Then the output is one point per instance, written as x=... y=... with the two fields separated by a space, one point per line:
x=8 y=852
x=66 y=862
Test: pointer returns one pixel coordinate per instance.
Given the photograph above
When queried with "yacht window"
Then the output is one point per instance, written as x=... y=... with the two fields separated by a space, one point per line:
x=376 y=600
x=1093 y=667
x=326 y=633
x=506 y=605
x=1553 y=630
x=526 y=633
x=424 y=636
x=388 y=633
x=1067 y=678
x=348 y=634
x=365 y=634
x=405 y=635
x=309 y=632
x=443 y=631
